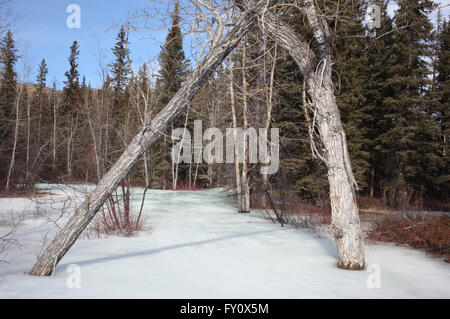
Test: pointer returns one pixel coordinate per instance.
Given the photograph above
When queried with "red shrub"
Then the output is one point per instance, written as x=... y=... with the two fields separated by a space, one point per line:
x=116 y=218
x=431 y=233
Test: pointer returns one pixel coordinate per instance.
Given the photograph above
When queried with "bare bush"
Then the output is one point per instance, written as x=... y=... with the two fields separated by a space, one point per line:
x=7 y=237
x=431 y=233
x=117 y=217
x=289 y=210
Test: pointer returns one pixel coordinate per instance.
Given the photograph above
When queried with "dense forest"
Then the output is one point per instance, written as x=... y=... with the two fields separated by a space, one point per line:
x=391 y=83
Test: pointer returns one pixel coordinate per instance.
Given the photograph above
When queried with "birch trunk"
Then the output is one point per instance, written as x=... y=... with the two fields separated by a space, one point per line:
x=269 y=120
x=237 y=169
x=245 y=208
x=28 y=143
x=64 y=240
x=55 y=101
x=174 y=178
x=69 y=148
x=345 y=217
x=179 y=153
x=94 y=140
x=16 y=136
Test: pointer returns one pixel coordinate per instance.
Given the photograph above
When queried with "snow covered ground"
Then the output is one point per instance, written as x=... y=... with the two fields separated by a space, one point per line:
x=199 y=247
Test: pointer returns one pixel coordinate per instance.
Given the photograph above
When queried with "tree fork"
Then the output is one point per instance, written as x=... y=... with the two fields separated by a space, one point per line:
x=345 y=217
x=65 y=239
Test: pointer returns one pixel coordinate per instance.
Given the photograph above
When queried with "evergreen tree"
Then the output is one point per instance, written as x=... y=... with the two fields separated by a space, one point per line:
x=8 y=59
x=69 y=111
x=171 y=76
x=41 y=108
x=172 y=60
x=72 y=83
x=409 y=140
x=8 y=81
x=381 y=67
x=41 y=94
x=121 y=69
x=441 y=110
x=41 y=78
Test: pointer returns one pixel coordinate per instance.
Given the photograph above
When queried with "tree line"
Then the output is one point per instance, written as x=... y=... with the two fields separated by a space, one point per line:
x=391 y=86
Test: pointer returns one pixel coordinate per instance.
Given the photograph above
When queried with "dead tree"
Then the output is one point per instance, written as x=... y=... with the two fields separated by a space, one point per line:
x=245 y=204
x=64 y=240
x=317 y=70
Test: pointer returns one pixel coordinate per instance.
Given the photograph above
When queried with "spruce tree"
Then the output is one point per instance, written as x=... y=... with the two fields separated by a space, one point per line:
x=8 y=81
x=409 y=140
x=441 y=110
x=381 y=67
x=42 y=110
x=171 y=76
x=72 y=83
x=41 y=94
x=172 y=60
x=69 y=111
x=41 y=78
x=121 y=69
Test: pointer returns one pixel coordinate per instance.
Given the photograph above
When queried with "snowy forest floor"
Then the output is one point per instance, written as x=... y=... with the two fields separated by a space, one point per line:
x=196 y=245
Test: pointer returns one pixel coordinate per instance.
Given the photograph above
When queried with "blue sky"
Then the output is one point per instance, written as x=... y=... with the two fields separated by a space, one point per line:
x=42 y=27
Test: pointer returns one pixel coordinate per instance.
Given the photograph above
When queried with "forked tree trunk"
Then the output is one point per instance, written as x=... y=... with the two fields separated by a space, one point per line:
x=47 y=262
x=265 y=177
x=345 y=217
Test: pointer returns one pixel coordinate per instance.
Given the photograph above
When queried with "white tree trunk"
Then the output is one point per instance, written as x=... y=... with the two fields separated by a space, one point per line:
x=237 y=168
x=55 y=101
x=28 y=141
x=16 y=136
x=269 y=120
x=345 y=217
x=64 y=240
x=245 y=204
x=94 y=140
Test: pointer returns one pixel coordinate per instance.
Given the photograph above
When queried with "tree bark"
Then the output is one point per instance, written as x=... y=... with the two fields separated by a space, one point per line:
x=237 y=169
x=345 y=217
x=28 y=143
x=64 y=240
x=265 y=177
x=16 y=137
x=245 y=204
x=55 y=101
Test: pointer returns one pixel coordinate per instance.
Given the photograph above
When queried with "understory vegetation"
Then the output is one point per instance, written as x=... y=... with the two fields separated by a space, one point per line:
x=429 y=233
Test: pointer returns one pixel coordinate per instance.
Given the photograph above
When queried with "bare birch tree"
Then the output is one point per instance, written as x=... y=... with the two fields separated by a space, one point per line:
x=317 y=70
x=17 y=102
x=64 y=240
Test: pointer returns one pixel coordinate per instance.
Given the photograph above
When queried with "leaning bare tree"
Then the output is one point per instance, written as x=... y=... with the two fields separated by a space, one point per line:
x=316 y=66
x=64 y=240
